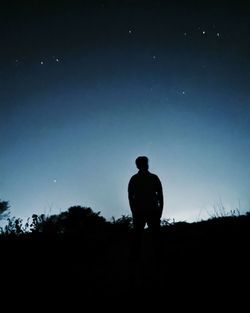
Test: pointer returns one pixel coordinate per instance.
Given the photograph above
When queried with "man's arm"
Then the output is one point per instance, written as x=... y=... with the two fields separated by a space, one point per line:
x=160 y=194
x=131 y=194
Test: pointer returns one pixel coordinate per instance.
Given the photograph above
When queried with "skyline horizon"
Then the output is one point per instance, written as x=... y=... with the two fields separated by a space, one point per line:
x=216 y=208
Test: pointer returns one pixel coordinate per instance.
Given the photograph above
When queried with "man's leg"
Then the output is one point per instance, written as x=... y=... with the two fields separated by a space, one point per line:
x=154 y=227
x=139 y=223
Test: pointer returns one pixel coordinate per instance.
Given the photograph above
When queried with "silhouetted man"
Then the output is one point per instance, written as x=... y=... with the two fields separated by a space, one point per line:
x=145 y=200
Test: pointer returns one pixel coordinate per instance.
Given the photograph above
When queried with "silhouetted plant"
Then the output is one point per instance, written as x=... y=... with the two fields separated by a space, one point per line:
x=221 y=211
x=81 y=219
x=125 y=222
x=36 y=223
x=4 y=209
x=14 y=226
x=44 y=224
x=75 y=220
x=167 y=222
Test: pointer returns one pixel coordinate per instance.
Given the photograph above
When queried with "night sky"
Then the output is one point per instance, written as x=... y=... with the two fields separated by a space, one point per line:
x=86 y=87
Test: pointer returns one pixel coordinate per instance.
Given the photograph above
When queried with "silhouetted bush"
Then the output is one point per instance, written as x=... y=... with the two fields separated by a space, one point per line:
x=75 y=220
x=4 y=209
x=15 y=226
x=123 y=223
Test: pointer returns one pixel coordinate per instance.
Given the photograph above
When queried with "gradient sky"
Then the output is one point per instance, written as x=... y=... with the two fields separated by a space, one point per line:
x=86 y=87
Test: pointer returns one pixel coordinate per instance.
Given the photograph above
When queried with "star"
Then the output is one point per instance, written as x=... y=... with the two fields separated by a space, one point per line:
x=218 y=34
x=56 y=59
x=41 y=62
x=54 y=180
x=203 y=32
x=130 y=31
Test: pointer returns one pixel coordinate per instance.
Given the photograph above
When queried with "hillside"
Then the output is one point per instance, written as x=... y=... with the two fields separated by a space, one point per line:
x=201 y=260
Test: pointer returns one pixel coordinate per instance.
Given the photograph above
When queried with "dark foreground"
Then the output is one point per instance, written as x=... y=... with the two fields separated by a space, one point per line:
x=204 y=262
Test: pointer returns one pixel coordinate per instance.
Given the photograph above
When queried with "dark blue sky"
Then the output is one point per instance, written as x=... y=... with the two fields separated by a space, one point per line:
x=86 y=87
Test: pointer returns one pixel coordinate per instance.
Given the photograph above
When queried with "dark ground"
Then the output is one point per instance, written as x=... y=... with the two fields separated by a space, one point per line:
x=204 y=262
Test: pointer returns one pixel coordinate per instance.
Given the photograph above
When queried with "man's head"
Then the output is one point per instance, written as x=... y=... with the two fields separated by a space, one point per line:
x=142 y=163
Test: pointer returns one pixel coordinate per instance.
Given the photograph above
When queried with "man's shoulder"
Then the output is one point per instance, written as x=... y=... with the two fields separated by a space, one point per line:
x=153 y=175
x=155 y=178
x=133 y=177
x=140 y=176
